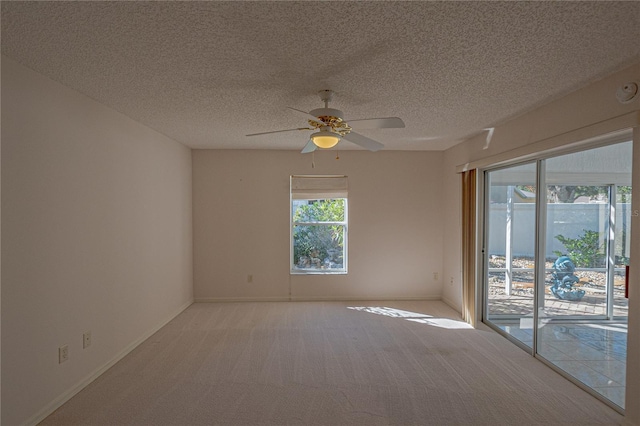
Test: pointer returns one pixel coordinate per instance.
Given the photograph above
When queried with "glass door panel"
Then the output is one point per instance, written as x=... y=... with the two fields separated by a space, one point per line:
x=510 y=218
x=581 y=325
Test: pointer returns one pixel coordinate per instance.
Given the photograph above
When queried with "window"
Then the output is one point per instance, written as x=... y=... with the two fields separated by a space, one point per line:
x=318 y=224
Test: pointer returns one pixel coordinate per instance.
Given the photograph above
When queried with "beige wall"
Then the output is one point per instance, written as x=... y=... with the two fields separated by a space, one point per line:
x=96 y=235
x=452 y=226
x=241 y=225
x=579 y=115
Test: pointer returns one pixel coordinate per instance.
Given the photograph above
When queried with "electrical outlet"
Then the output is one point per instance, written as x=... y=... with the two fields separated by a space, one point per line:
x=63 y=354
x=435 y=276
x=86 y=340
x=249 y=278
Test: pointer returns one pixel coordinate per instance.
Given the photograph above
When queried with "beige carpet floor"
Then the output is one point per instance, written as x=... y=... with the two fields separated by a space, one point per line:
x=329 y=363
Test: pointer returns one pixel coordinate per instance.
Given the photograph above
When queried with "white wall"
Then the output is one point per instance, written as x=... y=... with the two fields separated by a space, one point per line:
x=241 y=225
x=452 y=228
x=586 y=107
x=96 y=235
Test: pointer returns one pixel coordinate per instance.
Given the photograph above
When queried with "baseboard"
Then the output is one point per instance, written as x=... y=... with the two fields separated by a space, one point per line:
x=66 y=396
x=240 y=299
x=362 y=299
x=309 y=299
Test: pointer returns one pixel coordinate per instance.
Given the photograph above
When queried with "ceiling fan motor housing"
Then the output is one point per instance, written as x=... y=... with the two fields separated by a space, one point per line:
x=331 y=120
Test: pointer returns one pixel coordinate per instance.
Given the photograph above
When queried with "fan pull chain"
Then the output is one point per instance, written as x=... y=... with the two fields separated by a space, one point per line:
x=337 y=154
x=313 y=160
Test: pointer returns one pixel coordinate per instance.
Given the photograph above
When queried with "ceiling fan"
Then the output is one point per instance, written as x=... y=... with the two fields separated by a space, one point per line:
x=331 y=127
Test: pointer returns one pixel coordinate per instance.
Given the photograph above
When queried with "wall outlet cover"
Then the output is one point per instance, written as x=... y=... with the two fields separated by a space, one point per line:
x=63 y=353
x=86 y=340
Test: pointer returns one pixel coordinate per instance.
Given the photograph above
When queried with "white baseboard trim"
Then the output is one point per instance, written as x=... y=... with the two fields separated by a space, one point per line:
x=309 y=299
x=362 y=299
x=240 y=299
x=71 y=392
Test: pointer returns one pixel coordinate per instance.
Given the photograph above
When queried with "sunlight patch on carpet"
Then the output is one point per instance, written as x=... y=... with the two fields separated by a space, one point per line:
x=413 y=316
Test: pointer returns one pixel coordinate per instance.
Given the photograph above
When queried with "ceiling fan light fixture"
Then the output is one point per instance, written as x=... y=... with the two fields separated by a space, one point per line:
x=325 y=139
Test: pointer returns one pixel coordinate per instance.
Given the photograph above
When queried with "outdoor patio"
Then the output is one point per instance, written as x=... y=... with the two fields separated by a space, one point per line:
x=520 y=302
x=523 y=305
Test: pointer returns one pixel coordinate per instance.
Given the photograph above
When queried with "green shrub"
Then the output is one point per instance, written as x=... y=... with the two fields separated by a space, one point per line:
x=585 y=251
x=320 y=241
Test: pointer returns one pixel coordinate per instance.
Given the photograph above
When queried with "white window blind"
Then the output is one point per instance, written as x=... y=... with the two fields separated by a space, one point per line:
x=317 y=187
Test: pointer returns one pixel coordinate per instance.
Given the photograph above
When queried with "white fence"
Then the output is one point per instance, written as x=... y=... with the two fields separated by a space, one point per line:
x=569 y=220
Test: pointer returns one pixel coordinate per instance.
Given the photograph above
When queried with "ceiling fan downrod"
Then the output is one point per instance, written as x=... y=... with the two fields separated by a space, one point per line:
x=326 y=96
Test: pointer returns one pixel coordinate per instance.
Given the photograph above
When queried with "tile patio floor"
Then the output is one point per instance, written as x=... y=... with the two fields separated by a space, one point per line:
x=593 y=352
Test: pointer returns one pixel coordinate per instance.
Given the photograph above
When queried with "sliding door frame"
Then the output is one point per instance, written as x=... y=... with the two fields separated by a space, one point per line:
x=540 y=248
x=483 y=247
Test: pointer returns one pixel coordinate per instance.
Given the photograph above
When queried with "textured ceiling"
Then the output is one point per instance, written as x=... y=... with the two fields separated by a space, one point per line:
x=207 y=73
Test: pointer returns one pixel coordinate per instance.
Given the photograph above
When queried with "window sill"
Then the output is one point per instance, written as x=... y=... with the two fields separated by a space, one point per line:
x=316 y=272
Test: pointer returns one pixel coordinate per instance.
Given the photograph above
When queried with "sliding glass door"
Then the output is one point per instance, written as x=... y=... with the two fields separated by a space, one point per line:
x=510 y=250
x=556 y=258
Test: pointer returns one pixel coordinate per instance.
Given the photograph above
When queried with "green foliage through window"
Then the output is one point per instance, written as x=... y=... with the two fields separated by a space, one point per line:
x=586 y=251
x=319 y=234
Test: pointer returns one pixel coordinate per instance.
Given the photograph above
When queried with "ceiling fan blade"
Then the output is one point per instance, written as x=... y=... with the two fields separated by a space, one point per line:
x=377 y=123
x=309 y=147
x=363 y=141
x=278 y=131
x=307 y=115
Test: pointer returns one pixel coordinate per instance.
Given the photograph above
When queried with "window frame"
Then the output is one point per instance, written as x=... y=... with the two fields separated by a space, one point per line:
x=330 y=195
